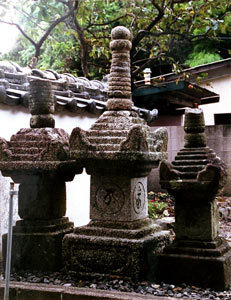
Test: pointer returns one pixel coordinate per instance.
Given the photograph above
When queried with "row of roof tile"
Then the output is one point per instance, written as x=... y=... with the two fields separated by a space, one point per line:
x=75 y=94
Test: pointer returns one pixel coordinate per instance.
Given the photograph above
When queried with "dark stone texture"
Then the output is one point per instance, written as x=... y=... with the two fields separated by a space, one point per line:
x=42 y=199
x=194 y=178
x=196 y=269
x=37 y=245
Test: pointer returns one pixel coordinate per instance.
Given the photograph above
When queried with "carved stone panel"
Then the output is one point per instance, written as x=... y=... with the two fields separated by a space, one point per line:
x=118 y=198
x=109 y=198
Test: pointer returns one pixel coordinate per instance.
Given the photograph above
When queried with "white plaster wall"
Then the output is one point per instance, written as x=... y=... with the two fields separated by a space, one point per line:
x=78 y=191
x=221 y=86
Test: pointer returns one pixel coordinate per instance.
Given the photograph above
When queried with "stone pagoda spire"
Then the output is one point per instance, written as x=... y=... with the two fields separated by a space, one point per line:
x=38 y=159
x=118 y=151
x=194 y=178
x=120 y=76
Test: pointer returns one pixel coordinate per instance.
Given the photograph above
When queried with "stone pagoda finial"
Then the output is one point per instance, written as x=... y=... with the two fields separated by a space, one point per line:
x=120 y=77
x=41 y=104
x=194 y=128
x=194 y=178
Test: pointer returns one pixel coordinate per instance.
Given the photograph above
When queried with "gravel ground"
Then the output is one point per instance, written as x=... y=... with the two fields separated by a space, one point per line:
x=182 y=291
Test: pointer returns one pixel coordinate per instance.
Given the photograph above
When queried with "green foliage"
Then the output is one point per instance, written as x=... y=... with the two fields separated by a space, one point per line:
x=163 y=32
x=157 y=204
x=202 y=57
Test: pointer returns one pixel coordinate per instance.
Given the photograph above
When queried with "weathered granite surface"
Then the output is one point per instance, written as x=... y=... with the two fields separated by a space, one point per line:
x=194 y=178
x=118 y=151
x=38 y=159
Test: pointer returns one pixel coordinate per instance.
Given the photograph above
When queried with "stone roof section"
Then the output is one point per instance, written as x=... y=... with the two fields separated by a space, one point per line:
x=74 y=94
x=41 y=148
x=119 y=139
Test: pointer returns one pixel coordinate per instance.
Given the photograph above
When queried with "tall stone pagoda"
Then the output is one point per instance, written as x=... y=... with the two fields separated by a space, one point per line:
x=38 y=159
x=118 y=151
x=198 y=255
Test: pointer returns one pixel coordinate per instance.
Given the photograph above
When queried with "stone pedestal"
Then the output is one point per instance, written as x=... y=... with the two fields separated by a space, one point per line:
x=124 y=249
x=37 y=245
x=118 y=152
x=198 y=255
x=38 y=159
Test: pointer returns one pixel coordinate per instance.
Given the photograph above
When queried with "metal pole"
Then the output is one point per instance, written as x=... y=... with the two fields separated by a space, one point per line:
x=9 y=243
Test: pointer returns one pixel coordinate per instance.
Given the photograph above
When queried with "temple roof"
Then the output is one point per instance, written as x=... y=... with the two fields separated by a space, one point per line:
x=172 y=95
x=74 y=94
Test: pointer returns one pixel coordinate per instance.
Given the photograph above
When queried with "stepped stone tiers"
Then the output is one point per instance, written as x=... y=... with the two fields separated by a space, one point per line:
x=38 y=159
x=118 y=151
x=198 y=255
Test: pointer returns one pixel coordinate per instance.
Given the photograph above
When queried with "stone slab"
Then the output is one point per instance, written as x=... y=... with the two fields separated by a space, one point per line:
x=28 y=291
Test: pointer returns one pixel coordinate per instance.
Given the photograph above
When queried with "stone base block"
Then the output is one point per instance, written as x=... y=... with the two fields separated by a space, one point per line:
x=37 y=245
x=206 y=265
x=126 y=253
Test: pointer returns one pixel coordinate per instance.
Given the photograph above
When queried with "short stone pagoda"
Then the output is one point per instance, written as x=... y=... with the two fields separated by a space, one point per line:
x=38 y=159
x=198 y=255
x=118 y=151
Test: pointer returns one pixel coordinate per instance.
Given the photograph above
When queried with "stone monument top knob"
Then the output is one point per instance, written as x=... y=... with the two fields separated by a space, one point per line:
x=120 y=32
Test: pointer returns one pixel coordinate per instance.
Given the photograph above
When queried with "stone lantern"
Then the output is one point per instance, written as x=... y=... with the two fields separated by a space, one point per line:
x=198 y=255
x=118 y=151
x=38 y=159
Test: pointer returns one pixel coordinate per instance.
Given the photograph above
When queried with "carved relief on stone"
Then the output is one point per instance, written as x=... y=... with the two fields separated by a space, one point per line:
x=109 y=198
x=136 y=140
x=79 y=140
x=160 y=139
x=138 y=197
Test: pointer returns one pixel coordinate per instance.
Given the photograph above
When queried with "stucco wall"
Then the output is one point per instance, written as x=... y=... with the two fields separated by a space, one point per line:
x=221 y=86
x=78 y=191
x=218 y=138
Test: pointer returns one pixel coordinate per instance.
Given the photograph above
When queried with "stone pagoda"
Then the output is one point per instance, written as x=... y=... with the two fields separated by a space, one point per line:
x=198 y=255
x=38 y=159
x=118 y=151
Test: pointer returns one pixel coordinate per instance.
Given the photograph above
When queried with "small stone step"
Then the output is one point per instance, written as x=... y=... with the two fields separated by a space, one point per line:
x=107 y=132
x=181 y=156
x=105 y=140
x=193 y=168
x=190 y=162
x=107 y=147
x=23 y=157
x=22 y=150
x=27 y=144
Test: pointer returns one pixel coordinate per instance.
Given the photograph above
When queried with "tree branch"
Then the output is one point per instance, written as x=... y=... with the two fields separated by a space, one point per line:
x=21 y=30
x=28 y=17
x=52 y=26
x=108 y=22
x=157 y=34
x=141 y=68
x=140 y=35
